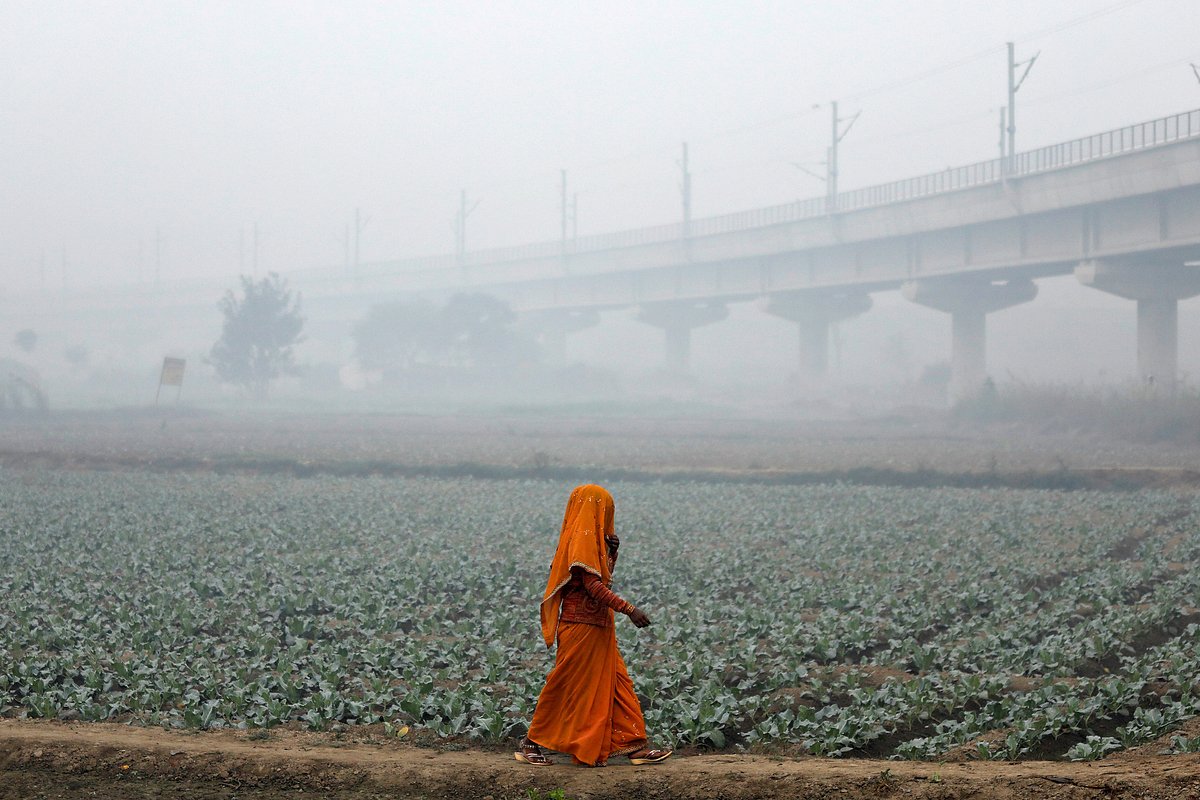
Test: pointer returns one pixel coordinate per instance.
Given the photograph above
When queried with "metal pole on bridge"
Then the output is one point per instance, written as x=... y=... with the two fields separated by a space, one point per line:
x=360 y=222
x=563 y=204
x=831 y=163
x=1003 y=144
x=462 y=223
x=1014 y=83
x=460 y=227
x=685 y=190
x=831 y=178
x=1012 y=100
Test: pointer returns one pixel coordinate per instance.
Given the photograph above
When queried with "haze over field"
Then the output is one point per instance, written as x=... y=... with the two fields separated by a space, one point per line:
x=162 y=150
x=313 y=312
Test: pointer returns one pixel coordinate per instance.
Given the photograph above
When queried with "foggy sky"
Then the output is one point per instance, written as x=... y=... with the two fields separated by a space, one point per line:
x=198 y=120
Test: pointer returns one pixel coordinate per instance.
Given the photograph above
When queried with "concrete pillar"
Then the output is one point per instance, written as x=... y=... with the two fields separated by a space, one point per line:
x=677 y=318
x=814 y=347
x=1157 y=288
x=968 y=301
x=813 y=313
x=1158 y=340
x=552 y=327
x=968 y=351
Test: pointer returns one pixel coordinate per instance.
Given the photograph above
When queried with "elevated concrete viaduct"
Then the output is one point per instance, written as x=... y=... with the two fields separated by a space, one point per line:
x=1121 y=210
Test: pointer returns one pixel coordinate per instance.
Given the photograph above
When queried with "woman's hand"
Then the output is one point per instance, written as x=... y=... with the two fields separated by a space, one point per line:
x=638 y=617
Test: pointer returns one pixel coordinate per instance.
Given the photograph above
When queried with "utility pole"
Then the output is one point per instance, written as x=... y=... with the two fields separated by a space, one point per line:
x=357 y=236
x=1003 y=140
x=831 y=161
x=831 y=165
x=460 y=227
x=1014 y=83
x=360 y=222
x=344 y=240
x=563 y=204
x=685 y=190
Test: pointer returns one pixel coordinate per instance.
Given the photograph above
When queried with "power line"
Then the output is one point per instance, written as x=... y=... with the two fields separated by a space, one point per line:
x=925 y=74
x=610 y=187
x=1112 y=82
x=887 y=86
x=1080 y=20
x=981 y=54
x=658 y=151
x=923 y=129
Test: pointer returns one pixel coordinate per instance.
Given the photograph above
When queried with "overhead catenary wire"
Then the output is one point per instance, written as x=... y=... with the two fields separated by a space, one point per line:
x=996 y=49
x=963 y=119
x=809 y=109
x=1093 y=87
x=813 y=108
x=537 y=186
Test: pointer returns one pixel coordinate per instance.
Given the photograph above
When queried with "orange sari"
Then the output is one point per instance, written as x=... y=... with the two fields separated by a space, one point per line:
x=588 y=707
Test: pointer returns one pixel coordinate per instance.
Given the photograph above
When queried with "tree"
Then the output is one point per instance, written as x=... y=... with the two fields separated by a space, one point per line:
x=77 y=356
x=260 y=330
x=471 y=331
x=26 y=339
x=477 y=330
x=395 y=336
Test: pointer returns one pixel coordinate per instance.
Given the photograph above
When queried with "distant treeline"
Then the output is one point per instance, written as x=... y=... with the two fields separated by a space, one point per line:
x=469 y=331
x=1138 y=413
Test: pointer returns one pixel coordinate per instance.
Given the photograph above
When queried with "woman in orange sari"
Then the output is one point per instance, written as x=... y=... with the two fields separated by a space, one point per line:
x=588 y=707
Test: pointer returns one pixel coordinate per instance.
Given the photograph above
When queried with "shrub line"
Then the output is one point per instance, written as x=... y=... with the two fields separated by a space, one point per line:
x=1062 y=479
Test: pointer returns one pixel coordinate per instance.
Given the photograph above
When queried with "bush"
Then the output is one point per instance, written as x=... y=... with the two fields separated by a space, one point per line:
x=1137 y=413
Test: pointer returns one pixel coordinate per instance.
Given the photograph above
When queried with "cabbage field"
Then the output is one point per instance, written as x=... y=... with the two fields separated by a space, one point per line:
x=838 y=620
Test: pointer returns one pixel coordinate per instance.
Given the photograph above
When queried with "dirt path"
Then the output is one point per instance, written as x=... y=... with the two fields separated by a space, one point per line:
x=49 y=759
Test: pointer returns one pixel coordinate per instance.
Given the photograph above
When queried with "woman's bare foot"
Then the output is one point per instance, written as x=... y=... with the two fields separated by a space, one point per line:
x=530 y=753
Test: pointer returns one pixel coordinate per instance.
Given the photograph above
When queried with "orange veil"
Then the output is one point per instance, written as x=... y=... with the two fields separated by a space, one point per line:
x=588 y=519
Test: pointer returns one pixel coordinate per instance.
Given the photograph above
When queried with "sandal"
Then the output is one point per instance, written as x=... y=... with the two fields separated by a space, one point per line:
x=649 y=756
x=530 y=753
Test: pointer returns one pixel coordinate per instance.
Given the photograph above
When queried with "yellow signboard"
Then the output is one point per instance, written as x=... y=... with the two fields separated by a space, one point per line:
x=172 y=375
x=172 y=372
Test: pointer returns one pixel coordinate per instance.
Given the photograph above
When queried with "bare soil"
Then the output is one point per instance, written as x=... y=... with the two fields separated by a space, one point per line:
x=41 y=759
x=901 y=451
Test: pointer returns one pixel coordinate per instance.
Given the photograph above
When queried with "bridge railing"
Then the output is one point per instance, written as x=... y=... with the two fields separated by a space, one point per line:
x=1130 y=138
x=1110 y=143
x=1056 y=156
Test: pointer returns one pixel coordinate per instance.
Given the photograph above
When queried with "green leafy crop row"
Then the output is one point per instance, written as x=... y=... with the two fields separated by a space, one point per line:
x=897 y=622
